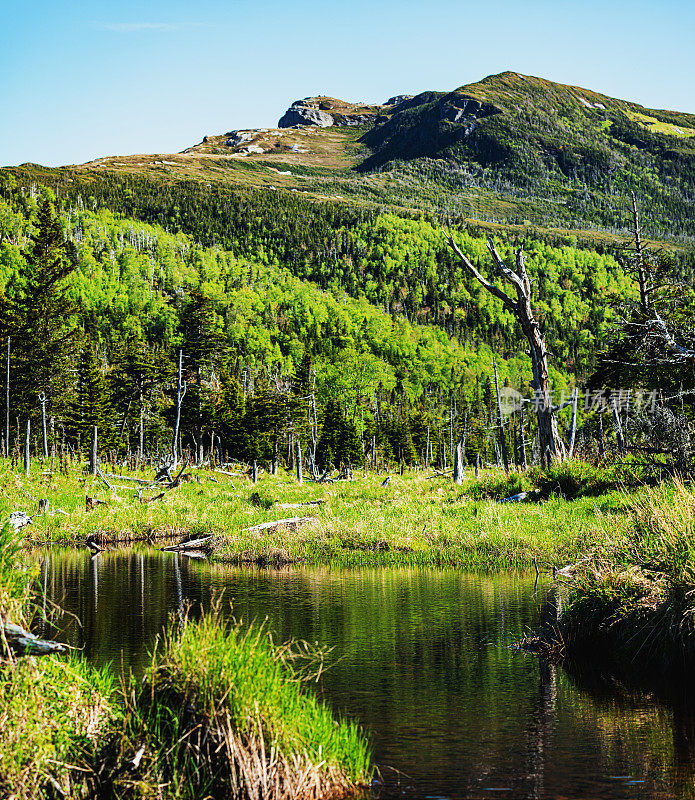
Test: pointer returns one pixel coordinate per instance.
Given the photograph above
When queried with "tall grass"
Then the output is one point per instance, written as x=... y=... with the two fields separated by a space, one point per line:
x=636 y=599
x=225 y=713
x=53 y=711
x=15 y=577
x=415 y=520
x=54 y=714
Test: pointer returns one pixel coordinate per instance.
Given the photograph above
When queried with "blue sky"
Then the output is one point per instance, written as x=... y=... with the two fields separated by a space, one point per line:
x=81 y=80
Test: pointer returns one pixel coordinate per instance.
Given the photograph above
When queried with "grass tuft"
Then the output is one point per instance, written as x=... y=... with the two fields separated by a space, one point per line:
x=225 y=712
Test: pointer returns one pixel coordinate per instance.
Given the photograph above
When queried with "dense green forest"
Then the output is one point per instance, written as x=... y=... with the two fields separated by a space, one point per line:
x=399 y=263
x=295 y=308
x=301 y=323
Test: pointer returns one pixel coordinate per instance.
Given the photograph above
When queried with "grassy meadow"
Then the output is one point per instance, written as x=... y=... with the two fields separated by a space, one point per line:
x=415 y=519
x=68 y=729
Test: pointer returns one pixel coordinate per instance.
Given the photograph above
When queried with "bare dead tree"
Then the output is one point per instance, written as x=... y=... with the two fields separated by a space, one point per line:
x=179 y=400
x=7 y=401
x=551 y=446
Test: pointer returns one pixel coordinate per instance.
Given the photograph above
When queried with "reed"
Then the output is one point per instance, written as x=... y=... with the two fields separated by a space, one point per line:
x=226 y=712
x=635 y=600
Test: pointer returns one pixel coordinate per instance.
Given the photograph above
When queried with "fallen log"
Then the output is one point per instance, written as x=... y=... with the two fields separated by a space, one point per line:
x=19 y=520
x=24 y=643
x=438 y=474
x=141 y=481
x=192 y=544
x=292 y=522
x=520 y=497
x=568 y=570
x=101 y=475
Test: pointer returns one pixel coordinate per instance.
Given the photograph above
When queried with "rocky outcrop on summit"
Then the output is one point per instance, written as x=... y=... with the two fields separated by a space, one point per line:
x=324 y=112
x=425 y=125
x=301 y=112
x=352 y=120
x=398 y=99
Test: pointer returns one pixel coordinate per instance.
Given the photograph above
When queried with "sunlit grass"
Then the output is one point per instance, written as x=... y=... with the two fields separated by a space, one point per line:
x=416 y=519
x=635 y=598
x=228 y=712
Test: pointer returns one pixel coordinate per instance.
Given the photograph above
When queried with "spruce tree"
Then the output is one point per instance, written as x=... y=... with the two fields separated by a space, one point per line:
x=339 y=442
x=37 y=313
x=91 y=403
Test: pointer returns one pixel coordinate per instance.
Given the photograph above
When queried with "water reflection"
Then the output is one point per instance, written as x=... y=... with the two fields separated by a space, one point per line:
x=421 y=658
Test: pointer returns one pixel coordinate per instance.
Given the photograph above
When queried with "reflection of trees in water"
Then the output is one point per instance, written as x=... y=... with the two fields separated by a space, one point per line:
x=646 y=721
x=420 y=658
x=539 y=729
x=114 y=603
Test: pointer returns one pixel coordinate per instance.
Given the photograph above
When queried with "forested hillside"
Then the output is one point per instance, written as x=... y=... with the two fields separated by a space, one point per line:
x=571 y=155
x=260 y=336
x=320 y=300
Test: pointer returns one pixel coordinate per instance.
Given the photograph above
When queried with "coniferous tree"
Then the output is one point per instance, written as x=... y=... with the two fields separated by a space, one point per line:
x=90 y=405
x=339 y=442
x=205 y=350
x=37 y=313
x=230 y=420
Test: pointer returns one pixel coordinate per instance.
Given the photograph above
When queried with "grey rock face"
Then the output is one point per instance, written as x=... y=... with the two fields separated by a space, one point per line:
x=237 y=137
x=301 y=114
x=398 y=99
x=468 y=112
x=352 y=120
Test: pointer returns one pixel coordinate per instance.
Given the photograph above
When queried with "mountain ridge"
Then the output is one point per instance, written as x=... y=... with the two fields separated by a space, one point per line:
x=508 y=149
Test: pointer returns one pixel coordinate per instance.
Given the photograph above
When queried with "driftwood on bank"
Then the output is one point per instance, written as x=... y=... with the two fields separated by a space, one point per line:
x=192 y=544
x=24 y=643
x=291 y=522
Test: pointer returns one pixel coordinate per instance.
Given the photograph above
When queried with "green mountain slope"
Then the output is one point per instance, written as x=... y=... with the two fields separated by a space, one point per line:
x=510 y=149
x=578 y=149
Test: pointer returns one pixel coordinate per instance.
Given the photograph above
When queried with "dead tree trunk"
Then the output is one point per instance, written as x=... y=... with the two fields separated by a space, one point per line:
x=42 y=400
x=573 y=424
x=7 y=402
x=93 y=461
x=551 y=447
x=27 y=457
x=179 y=400
x=643 y=276
x=458 y=462
x=298 y=459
